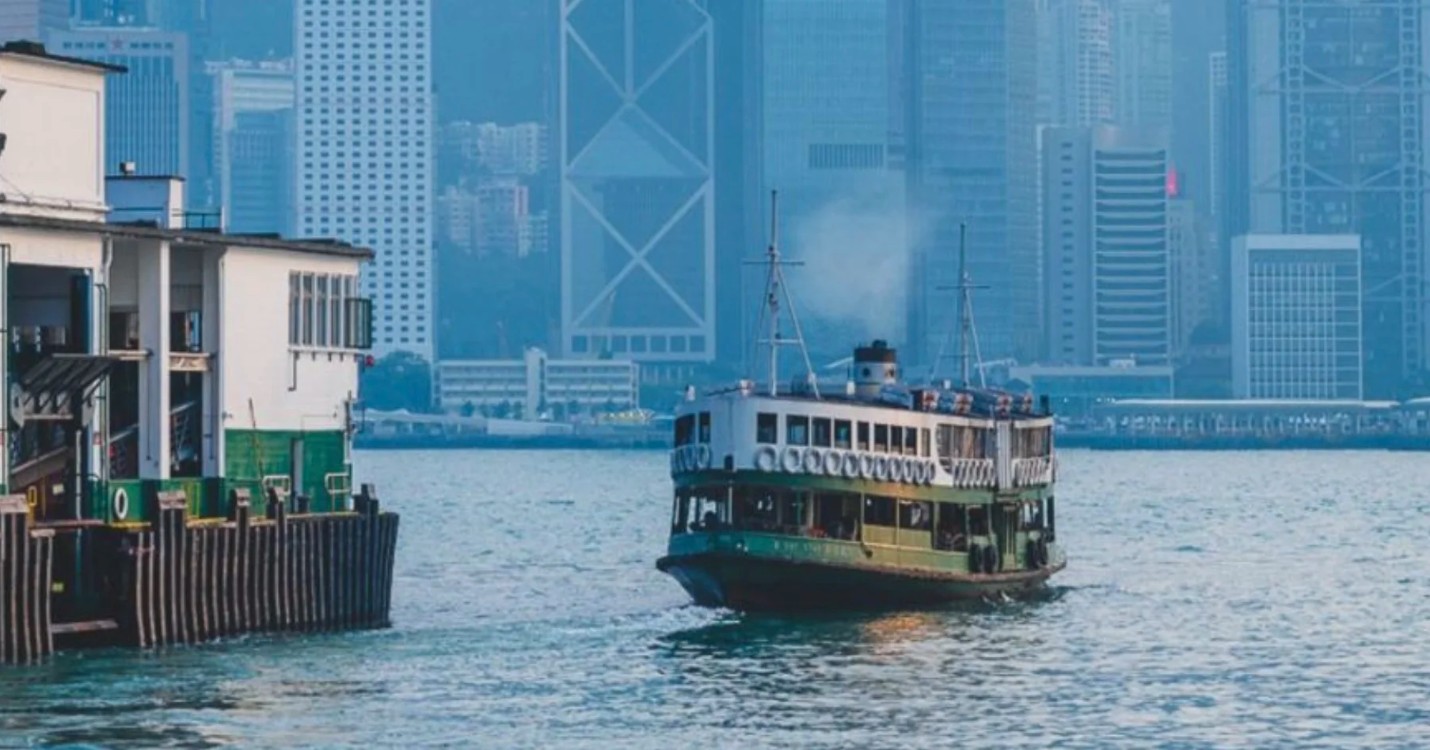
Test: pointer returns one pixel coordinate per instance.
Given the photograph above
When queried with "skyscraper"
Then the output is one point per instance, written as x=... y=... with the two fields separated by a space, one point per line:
x=1108 y=266
x=970 y=78
x=1077 y=81
x=1331 y=96
x=253 y=144
x=31 y=19
x=830 y=149
x=365 y=140
x=147 y=108
x=637 y=149
x=1143 y=61
x=1216 y=125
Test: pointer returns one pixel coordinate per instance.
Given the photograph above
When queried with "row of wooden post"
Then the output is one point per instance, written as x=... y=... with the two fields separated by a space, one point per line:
x=193 y=582
x=26 y=564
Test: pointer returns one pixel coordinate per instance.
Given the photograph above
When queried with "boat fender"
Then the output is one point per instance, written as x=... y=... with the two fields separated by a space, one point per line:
x=792 y=460
x=765 y=458
x=703 y=457
x=881 y=468
x=991 y=558
x=813 y=461
x=121 y=504
x=930 y=472
x=975 y=558
x=680 y=460
x=851 y=466
x=833 y=462
x=866 y=466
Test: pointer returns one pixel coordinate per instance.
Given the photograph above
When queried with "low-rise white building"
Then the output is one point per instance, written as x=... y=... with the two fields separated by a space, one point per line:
x=536 y=385
x=1296 y=317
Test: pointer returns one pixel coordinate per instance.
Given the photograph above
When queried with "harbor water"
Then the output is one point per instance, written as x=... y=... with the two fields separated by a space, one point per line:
x=1229 y=600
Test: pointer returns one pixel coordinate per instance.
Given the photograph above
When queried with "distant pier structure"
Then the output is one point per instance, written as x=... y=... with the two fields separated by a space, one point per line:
x=177 y=420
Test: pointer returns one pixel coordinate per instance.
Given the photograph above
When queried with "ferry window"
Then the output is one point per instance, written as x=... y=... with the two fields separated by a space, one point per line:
x=879 y=511
x=881 y=438
x=924 y=443
x=863 y=436
x=704 y=426
x=767 y=429
x=911 y=441
x=945 y=444
x=821 y=433
x=797 y=430
x=896 y=439
x=842 y=436
x=683 y=426
x=915 y=516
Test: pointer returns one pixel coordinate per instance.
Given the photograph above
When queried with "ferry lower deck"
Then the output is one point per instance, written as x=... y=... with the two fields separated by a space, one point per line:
x=767 y=545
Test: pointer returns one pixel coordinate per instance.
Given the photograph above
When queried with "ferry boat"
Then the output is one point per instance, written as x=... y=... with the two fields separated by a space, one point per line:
x=885 y=494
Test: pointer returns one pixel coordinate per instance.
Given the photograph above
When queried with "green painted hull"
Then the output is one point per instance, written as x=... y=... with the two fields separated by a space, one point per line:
x=757 y=573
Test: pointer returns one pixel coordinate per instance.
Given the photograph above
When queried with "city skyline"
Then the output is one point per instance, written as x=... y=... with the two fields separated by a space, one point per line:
x=592 y=182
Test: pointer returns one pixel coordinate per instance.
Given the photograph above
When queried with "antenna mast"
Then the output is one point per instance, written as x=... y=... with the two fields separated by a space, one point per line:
x=967 y=332
x=776 y=289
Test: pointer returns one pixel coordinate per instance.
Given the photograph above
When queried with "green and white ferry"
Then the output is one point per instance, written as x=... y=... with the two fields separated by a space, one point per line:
x=883 y=495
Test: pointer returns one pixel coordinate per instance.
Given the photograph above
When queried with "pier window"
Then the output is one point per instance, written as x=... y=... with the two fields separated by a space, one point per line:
x=324 y=311
x=842 y=434
x=863 y=436
x=881 y=438
x=821 y=436
x=797 y=430
x=767 y=428
x=704 y=427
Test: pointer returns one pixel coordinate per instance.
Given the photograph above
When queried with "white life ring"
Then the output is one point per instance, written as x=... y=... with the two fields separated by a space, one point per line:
x=702 y=457
x=833 y=462
x=881 y=468
x=896 y=469
x=913 y=471
x=813 y=461
x=930 y=472
x=851 y=465
x=765 y=458
x=866 y=466
x=792 y=461
x=121 y=504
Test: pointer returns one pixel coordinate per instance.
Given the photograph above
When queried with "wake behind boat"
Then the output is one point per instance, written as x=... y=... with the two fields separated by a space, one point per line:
x=883 y=495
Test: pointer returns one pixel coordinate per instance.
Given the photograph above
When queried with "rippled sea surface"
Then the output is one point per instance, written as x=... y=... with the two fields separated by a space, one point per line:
x=1249 y=600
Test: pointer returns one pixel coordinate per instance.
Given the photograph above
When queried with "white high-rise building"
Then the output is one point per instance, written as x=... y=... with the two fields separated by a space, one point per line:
x=365 y=143
x=1296 y=317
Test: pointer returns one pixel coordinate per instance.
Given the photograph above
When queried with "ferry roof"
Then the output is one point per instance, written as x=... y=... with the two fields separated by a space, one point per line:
x=148 y=231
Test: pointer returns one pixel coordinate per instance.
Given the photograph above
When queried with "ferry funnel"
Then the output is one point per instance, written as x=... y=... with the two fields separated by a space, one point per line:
x=875 y=366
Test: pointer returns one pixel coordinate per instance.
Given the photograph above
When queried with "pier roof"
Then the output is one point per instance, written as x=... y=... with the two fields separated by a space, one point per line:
x=147 y=231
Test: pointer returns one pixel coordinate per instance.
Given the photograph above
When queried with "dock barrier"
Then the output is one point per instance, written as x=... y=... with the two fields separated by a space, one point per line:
x=181 y=580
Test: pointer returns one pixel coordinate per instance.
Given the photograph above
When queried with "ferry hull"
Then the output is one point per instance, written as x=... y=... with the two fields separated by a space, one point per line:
x=743 y=582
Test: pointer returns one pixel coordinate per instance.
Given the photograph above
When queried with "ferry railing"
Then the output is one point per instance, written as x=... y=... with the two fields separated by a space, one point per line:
x=970 y=473
x=1034 y=471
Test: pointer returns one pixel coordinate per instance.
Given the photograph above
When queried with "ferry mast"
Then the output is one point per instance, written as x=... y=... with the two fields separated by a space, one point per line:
x=775 y=289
